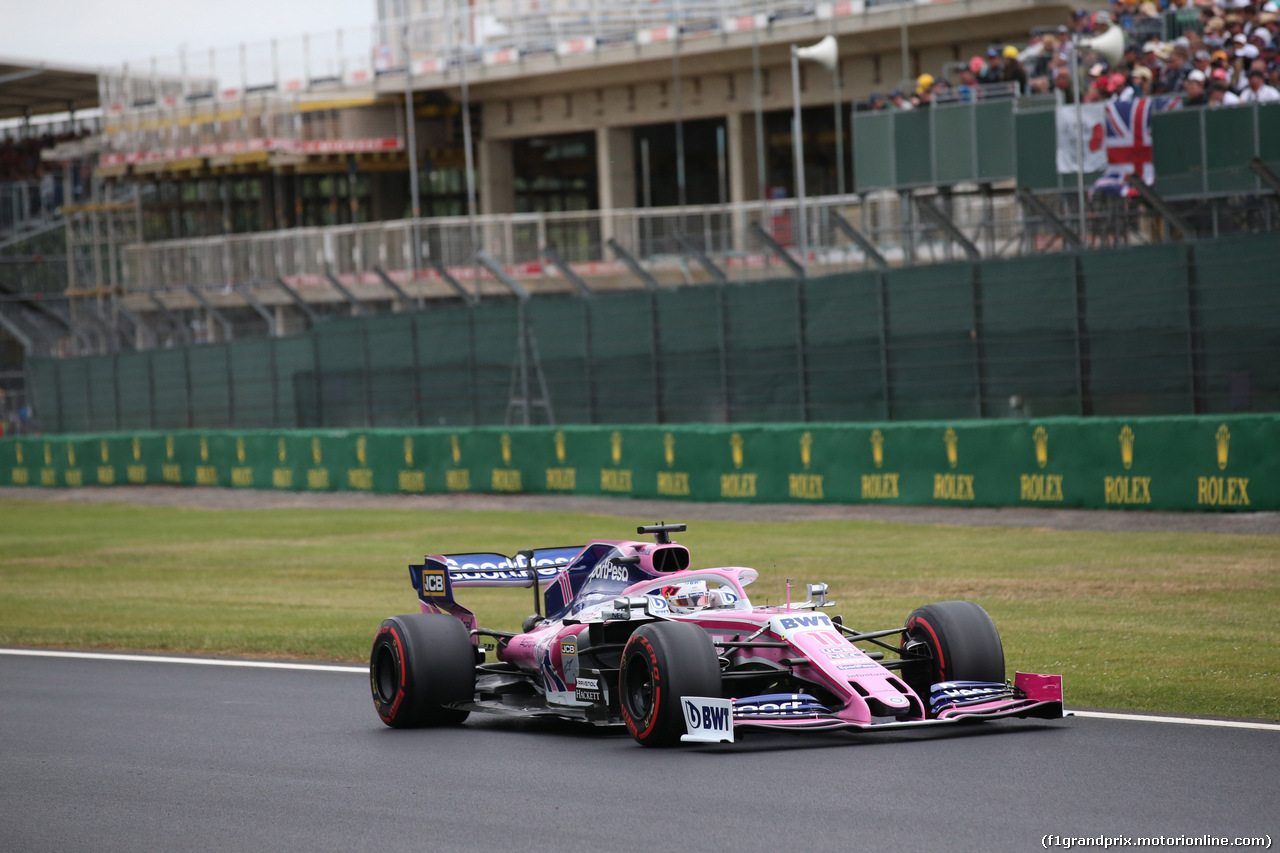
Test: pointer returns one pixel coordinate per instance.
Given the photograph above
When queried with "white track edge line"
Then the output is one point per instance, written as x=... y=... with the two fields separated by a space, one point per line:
x=315 y=667
x=251 y=664
x=1148 y=718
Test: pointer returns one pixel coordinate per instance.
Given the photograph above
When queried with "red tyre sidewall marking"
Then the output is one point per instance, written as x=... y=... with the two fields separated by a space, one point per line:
x=942 y=664
x=651 y=720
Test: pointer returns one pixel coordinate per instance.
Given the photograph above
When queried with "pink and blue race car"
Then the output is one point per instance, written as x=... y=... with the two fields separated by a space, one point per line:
x=625 y=633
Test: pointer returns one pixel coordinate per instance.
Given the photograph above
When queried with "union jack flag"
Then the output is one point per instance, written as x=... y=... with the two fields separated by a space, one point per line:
x=1128 y=143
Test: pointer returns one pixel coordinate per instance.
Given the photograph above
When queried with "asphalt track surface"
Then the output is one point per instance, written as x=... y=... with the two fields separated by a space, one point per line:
x=128 y=755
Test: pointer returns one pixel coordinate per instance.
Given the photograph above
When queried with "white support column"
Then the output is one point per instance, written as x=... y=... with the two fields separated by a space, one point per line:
x=615 y=174
x=497 y=177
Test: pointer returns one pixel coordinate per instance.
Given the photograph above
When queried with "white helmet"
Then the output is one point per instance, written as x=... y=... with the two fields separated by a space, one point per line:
x=687 y=597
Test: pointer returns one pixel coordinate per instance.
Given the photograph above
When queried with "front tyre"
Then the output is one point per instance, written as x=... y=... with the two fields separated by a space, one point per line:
x=662 y=663
x=961 y=644
x=419 y=664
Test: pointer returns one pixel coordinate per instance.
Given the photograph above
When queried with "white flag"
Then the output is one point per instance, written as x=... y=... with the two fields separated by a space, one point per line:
x=1093 y=119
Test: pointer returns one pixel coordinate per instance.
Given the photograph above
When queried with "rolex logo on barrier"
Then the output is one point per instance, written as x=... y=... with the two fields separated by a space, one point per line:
x=19 y=475
x=1222 y=491
x=1126 y=489
x=506 y=479
x=457 y=479
x=282 y=478
x=560 y=478
x=883 y=485
x=72 y=476
x=241 y=475
x=411 y=480
x=48 y=476
x=952 y=487
x=615 y=479
x=1040 y=487
x=137 y=472
x=206 y=474
x=106 y=472
x=360 y=478
x=738 y=485
x=170 y=472
x=805 y=486
x=317 y=477
x=674 y=483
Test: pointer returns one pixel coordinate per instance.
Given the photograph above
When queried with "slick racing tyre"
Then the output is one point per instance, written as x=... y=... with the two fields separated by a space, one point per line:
x=661 y=663
x=961 y=642
x=419 y=664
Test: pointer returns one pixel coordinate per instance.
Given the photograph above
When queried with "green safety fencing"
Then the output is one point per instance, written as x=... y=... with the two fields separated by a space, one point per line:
x=1172 y=463
x=1163 y=329
x=1197 y=152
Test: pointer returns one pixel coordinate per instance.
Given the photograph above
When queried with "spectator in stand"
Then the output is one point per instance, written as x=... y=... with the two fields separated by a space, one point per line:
x=1140 y=84
x=995 y=68
x=924 y=91
x=899 y=102
x=1203 y=61
x=968 y=88
x=1221 y=96
x=1013 y=70
x=1175 y=69
x=1062 y=87
x=1257 y=90
x=1195 y=93
x=876 y=102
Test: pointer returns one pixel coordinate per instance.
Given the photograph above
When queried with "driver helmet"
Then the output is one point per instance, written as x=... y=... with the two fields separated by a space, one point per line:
x=687 y=597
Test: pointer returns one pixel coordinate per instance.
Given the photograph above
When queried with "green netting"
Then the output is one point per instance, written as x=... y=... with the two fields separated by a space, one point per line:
x=762 y=346
x=393 y=370
x=559 y=326
x=1029 y=335
x=495 y=349
x=76 y=397
x=692 y=350
x=294 y=364
x=446 y=370
x=1137 y=315
x=842 y=337
x=254 y=390
x=210 y=370
x=169 y=380
x=932 y=356
x=1239 y=319
x=624 y=377
x=135 y=390
x=344 y=393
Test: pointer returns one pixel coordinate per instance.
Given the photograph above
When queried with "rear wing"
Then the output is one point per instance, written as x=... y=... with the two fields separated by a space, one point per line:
x=436 y=578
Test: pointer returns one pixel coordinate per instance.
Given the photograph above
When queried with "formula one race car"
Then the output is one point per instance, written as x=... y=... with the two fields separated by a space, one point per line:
x=626 y=633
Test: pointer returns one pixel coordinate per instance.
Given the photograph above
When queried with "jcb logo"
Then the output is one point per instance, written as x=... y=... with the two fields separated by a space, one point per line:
x=433 y=583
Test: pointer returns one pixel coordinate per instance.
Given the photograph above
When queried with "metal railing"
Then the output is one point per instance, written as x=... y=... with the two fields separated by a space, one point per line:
x=897 y=229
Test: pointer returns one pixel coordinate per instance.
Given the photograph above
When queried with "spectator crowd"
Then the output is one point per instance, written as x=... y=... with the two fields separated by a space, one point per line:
x=1224 y=52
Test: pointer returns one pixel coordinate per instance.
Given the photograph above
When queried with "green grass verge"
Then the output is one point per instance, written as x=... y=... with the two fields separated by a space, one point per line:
x=1161 y=622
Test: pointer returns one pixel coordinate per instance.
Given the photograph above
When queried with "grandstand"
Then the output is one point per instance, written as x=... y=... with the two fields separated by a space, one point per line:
x=480 y=166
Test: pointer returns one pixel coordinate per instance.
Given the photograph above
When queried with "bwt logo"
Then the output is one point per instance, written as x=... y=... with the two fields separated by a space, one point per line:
x=707 y=719
x=817 y=621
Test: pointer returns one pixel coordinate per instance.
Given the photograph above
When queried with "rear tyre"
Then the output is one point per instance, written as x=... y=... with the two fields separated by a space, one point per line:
x=662 y=663
x=961 y=642
x=419 y=664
